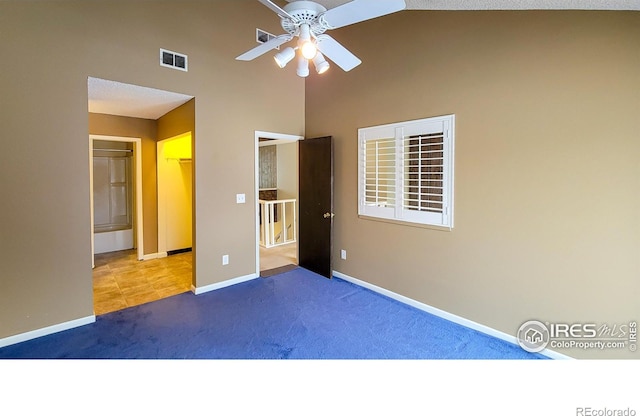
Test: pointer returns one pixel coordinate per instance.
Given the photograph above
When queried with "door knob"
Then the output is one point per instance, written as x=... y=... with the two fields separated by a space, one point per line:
x=329 y=215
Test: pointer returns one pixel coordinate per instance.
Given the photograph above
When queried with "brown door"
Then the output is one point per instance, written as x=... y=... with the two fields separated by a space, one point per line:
x=316 y=205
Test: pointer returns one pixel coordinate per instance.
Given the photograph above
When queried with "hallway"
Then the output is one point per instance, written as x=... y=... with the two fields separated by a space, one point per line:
x=278 y=256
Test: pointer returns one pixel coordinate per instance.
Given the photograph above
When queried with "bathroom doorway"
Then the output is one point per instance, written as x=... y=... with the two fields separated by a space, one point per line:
x=116 y=195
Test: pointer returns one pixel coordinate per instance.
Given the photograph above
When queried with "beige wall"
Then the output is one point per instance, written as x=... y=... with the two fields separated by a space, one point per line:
x=56 y=46
x=178 y=121
x=146 y=131
x=546 y=162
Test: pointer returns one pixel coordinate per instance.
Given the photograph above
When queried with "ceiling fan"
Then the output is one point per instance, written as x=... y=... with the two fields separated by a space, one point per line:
x=308 y=21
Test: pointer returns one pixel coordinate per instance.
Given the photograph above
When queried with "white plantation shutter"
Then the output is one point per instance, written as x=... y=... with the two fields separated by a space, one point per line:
x=426 y=169
x=380 y=175
x=406 y=171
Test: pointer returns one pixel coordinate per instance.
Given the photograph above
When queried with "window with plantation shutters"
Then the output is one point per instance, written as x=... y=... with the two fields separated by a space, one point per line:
x=406 y=171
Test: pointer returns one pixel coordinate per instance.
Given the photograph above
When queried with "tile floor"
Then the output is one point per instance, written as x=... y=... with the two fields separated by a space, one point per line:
x=121 y=281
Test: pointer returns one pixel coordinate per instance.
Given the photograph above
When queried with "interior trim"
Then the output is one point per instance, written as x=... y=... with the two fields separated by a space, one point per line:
x=27 y=336
x=226 y=283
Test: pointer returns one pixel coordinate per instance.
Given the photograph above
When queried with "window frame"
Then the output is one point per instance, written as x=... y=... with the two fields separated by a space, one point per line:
x=400 y=132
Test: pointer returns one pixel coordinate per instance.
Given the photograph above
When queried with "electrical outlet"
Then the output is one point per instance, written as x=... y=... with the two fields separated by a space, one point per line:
x=343 y=254
x=225 y=259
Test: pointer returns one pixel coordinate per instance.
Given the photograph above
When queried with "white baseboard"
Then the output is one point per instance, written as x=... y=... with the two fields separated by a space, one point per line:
x=446 y=315
x=153 y=256
x=226 y=283
x=26 y=336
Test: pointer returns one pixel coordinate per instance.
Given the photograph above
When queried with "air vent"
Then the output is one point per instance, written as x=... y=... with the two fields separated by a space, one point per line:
x=264 y=37
x=173 y=60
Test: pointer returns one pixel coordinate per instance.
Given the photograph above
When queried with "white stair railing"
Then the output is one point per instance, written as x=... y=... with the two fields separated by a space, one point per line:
x=277 y=222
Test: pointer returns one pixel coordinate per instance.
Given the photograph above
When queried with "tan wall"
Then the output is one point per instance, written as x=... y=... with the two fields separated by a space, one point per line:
x=546 y=166
x=56 y=46
x=178 y=121
x=146 y=131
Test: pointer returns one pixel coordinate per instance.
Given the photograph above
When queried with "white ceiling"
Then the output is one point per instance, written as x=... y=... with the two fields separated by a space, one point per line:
x=508 y=4
x=116 y=98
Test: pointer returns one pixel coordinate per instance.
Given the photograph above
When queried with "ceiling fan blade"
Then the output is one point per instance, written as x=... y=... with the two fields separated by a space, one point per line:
x=279 y=10
x=264 y=48
x=337 y=53
x=361 y=10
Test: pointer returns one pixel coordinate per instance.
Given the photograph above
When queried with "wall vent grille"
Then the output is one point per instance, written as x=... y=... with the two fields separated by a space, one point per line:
x=264 y=36
x=173 y=60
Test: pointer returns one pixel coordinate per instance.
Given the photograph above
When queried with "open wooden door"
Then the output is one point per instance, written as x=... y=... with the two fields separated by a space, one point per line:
x=315 y=205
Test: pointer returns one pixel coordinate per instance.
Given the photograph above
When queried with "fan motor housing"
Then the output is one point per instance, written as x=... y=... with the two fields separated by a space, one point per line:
x=304 y=12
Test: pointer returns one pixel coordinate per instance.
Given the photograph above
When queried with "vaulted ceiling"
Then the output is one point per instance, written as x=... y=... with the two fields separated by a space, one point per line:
x=120 y=99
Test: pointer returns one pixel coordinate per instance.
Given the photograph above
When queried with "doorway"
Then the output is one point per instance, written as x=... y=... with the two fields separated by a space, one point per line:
x=175 y=195
x=121 y=279
x=283 y=186
x=116 y=223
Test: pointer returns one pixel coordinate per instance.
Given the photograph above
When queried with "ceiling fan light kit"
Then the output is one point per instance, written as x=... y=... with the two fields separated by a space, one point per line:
x=320 y=63
x=285 y=56
x=303 y=67
x=308 y=21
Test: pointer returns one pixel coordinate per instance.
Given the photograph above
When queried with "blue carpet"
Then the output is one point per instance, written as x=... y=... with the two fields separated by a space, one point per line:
x=293 y=315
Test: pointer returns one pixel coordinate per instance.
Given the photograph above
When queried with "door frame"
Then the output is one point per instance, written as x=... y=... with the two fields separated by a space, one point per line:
x=278 y=138
x=137 y=154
